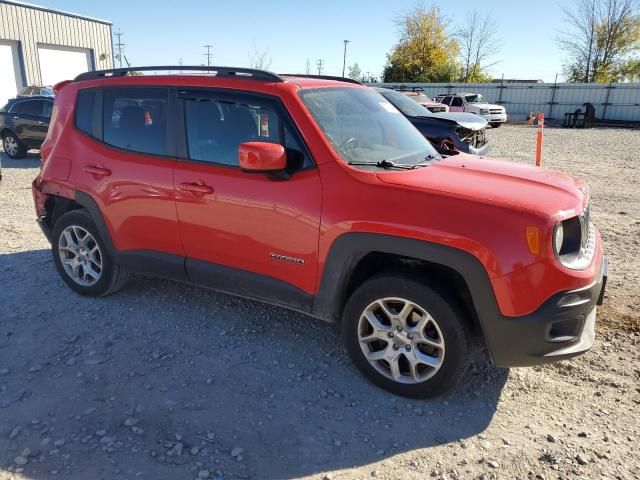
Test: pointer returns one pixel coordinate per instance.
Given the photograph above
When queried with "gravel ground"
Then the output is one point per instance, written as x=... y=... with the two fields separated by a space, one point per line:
x=164 y=380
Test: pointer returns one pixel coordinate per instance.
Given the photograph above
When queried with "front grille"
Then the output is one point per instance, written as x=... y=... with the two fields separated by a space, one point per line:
x=437 y=109
x=495 y=111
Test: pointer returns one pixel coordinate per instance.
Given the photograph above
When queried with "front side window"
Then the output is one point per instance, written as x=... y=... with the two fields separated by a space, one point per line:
x=446 y=100
x=135 y=119
x=475 y=99
x=456 y=102
x=363 y=126
x=216 y=128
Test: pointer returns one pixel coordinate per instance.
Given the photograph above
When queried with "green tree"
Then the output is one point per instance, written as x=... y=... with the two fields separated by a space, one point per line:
x=425 y=51
x=602 y=41
x=354 y=71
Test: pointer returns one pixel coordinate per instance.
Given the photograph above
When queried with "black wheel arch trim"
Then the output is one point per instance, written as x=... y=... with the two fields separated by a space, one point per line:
x=348 y=249
x=88 y=203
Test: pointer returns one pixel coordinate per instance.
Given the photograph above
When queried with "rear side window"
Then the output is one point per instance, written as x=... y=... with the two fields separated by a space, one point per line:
x=84 y=110
x=135 y=119
x=29 y=107
x=216 y=128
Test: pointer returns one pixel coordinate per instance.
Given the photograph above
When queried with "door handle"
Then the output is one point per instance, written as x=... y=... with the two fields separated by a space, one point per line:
x=94 y=170
x=198 y=187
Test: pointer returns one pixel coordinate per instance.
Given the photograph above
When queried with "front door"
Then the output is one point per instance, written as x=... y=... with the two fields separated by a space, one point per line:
x=246 y=233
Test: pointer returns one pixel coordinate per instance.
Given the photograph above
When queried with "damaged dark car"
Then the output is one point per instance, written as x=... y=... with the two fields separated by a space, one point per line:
x=462 y=132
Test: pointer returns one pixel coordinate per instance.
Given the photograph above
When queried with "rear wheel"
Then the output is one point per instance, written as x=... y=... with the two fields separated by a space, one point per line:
x=405 y=337
x=12 y=145
x=81 y=256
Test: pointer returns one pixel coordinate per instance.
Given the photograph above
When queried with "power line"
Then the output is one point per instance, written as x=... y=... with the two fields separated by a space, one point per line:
x=209 y=54
x=119 y=45
x=320 y=64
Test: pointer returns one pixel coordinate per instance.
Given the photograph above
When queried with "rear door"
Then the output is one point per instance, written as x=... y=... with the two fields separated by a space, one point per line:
x=457 y=105
x=30 y=123
x=246 y=233
x=124 y=158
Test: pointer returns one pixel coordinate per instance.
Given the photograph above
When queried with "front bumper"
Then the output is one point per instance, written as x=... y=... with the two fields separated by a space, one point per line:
x=563 y=327
x=495 y=117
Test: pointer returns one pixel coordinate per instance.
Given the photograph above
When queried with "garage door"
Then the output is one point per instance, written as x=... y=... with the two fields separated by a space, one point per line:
x=9 y=74
x=58 y=63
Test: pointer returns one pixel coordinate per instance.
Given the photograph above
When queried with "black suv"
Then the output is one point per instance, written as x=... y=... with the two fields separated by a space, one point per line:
x=24 y=122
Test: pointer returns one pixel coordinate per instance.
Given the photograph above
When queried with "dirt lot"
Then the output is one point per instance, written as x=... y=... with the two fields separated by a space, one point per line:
x=168 y=381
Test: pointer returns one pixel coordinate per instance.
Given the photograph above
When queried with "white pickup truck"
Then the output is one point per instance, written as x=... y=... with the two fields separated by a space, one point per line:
x=474 y=103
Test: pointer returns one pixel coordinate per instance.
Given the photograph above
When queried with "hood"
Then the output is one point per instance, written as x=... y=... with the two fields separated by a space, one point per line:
x=487 y=105
x=536 y=189
x=465 y=120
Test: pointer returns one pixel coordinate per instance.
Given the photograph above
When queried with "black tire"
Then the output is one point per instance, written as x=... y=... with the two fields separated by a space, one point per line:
x=112 y=276
x=496 y=124
x=18 y=153
x=448 y=317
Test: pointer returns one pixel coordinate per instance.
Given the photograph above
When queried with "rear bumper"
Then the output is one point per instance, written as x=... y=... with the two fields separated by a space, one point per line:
x=563 y=327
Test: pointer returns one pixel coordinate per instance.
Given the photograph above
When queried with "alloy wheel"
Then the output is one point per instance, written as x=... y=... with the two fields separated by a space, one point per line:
x=80 y=255
x=11 y=145
x=401 y=340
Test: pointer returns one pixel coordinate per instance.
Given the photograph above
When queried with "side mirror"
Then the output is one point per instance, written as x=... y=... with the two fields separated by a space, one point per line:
x=262 y=157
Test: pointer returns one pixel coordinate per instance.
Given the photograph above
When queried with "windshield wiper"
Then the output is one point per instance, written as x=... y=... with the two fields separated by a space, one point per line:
x=386 y=164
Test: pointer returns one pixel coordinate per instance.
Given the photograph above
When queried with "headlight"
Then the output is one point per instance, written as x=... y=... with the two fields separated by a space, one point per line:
x=484 y=111
x=574 y=241
x=558 y=237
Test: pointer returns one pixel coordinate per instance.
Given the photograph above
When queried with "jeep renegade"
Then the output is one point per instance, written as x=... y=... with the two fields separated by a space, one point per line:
x=316 y=194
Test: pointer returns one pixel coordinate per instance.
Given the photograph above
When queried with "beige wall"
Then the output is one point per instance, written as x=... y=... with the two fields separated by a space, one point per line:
x=33 y=27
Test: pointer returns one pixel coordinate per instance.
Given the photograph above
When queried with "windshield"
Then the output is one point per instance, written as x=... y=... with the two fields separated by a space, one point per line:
x=363 y=126
x=404 y=103
x=420 y=98
x=475 y=99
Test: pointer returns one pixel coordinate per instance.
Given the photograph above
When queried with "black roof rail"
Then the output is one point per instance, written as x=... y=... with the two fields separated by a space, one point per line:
x=321 y=77
x=219 y=71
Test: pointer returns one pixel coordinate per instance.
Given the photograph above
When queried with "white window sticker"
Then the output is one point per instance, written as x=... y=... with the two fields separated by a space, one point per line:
x=388 y=107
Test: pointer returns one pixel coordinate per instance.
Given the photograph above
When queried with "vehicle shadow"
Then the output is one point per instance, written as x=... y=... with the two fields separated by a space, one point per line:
x=204 y=370
x=32 y=160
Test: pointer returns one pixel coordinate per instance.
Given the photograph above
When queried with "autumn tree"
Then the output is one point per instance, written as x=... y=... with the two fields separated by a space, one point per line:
x=425 y=52
x=602 y=40
x=354 y=71
x=478 y=45
x=260 y=59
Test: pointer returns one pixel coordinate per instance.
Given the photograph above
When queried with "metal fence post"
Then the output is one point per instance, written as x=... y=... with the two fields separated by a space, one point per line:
x=553 y=97
x=606 y=102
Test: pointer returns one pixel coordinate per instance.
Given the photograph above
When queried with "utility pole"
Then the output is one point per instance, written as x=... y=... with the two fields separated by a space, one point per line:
x=344 y=57
x=119 y=46
x=320 y=63
x=308 y=67
x=209 y=55
x=369 y=76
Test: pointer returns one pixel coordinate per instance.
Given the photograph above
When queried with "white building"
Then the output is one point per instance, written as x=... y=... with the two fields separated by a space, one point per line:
x=41 y=46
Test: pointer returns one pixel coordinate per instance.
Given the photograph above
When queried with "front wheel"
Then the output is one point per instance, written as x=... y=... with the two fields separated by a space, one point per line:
x=495 y=124
x=13 y=147
x=405 y=337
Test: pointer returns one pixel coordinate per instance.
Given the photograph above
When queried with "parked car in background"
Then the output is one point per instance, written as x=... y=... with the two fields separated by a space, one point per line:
x=417 y=95
x=496 y=115
x=24 y=122
x=446 y=131
x=34 y=91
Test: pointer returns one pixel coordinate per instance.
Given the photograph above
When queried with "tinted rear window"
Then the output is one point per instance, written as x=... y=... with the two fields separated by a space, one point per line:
x=84 y=110
x=135 y=119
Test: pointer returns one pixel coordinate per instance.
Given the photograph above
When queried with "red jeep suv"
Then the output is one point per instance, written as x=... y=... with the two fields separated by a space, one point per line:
x=316 y=194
